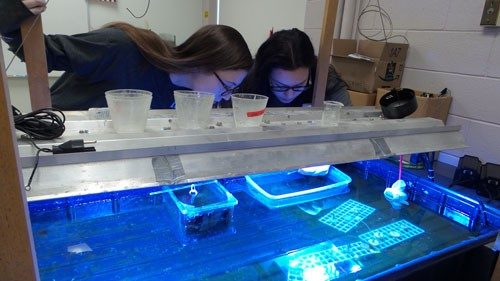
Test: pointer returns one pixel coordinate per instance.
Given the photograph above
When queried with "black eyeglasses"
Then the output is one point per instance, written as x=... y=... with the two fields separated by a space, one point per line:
x=285 y=88
x=227 y=88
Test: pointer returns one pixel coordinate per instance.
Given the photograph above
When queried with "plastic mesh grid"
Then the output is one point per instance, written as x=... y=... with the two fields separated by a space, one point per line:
x=346 y=216
x=391 y=234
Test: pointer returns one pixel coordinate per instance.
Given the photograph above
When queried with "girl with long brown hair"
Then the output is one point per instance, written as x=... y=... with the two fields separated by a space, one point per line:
x=214 y=59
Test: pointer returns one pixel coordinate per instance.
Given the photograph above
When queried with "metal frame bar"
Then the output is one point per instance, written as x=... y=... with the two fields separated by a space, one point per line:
x=115 y=149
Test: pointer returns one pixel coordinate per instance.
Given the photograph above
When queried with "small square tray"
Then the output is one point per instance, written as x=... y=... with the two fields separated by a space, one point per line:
x=209 y=212
x=280 y=189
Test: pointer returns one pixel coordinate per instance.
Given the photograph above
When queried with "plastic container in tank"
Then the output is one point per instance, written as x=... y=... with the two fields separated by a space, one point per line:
x=281 y=189
x=202 y=209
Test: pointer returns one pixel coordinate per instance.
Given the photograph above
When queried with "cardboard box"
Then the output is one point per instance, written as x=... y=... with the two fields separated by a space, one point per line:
x=435 y=107
x=382 y=64
x=361 y=99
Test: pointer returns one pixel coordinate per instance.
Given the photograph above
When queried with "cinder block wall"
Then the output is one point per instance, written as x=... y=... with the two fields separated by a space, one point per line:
x=314 y=20
x=448 y=48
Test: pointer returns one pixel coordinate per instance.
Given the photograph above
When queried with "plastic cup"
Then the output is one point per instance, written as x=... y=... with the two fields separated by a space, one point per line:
x=193 y=109
x=129 y=109
x=248 y=109
x=331 y=113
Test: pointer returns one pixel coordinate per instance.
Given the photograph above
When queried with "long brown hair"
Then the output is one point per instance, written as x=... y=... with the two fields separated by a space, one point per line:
x=211 y=48
x=285 y=49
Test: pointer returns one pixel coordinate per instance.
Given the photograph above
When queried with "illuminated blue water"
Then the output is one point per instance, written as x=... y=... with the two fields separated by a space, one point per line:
x=130 y=236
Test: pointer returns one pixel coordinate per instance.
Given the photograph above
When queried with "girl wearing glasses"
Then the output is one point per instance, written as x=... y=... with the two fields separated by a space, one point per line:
x=284 y=70
x=214 y=59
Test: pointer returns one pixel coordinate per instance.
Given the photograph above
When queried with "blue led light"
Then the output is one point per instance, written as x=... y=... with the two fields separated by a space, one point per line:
x=324 y=261
x=320 y=273
x=355 y=268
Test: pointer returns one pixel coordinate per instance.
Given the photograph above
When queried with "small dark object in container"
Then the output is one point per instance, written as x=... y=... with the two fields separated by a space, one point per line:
x=201 y=210
x=398 y=103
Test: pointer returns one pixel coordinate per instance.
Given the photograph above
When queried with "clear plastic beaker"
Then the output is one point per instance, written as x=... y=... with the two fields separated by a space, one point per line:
x=193 y=109
x=129 y=109
x=248 y=109
x=331 y=113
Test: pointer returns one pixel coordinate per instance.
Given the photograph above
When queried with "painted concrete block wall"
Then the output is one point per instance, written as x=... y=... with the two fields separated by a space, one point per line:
x=314 y=20
x=448 y=48
x=254 y=19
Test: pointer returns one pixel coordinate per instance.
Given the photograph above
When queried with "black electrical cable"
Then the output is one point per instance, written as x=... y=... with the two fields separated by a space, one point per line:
x=37 y=159
x=42 y=124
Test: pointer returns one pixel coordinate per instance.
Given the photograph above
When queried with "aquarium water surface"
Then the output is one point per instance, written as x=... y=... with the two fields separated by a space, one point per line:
x=132 y=236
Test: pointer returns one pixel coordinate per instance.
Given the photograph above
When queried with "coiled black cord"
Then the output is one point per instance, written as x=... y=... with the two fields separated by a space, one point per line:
x=42 y=124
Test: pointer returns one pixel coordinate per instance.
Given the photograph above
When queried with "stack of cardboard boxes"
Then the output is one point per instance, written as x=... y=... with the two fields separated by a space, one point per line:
x=372 y=68
x=367 y=65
